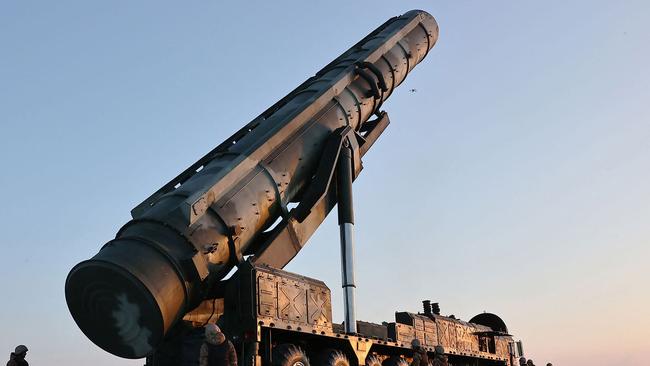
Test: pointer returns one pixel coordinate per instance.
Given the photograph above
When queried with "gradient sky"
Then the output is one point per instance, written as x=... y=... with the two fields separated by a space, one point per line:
x=515 y=180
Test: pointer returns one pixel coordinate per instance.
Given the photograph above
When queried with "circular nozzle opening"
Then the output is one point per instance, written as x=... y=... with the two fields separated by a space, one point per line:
x=114 y=309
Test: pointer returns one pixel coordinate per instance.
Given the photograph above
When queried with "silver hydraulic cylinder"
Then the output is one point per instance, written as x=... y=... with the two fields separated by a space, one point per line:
x=347 y=270
x=346 y=227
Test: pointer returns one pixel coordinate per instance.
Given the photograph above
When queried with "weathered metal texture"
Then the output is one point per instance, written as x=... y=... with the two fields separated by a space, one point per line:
x=502 y=350
x=457 y=337
x=430 y=333
x=190 y=233
x=279 y=300
x=463 y=337
x=372 y=330
x=416 y=326
x=474 y=344
x=490 y=320
x=402 y=334
x=446 y=334
x=208 y=311
x=272 y=303
x=261 y=295
x=293 y=300
x=319 y=307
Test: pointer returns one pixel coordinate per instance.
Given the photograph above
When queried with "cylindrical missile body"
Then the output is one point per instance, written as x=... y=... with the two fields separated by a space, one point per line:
x=189 y=235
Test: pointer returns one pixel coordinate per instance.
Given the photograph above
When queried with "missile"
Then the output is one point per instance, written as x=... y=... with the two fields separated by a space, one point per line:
x=234 y=203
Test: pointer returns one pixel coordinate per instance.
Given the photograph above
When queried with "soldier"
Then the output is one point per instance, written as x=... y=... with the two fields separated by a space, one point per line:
x=216 y=350
x=420 y=357
x=440 y=359
x=17 y=357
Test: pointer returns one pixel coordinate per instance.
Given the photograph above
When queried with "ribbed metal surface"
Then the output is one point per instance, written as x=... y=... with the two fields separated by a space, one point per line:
x=192 y=231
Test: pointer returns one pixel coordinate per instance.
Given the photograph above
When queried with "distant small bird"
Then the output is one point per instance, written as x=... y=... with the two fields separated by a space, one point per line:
x=413 y=90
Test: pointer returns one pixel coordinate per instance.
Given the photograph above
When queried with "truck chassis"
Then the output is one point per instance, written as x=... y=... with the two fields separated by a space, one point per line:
x=280 y=318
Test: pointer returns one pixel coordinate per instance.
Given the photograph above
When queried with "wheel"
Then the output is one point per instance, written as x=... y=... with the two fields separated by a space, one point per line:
x=289 y=355
x=332 y=357
x=395 y=361
x=373 y=361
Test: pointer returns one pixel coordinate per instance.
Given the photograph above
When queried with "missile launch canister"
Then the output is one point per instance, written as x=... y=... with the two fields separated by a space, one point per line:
x=233 y=204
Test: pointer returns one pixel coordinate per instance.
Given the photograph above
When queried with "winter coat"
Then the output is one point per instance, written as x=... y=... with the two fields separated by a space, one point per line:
x=15 y=360
x=217 y=351
x=420 y=358
x=440 y=360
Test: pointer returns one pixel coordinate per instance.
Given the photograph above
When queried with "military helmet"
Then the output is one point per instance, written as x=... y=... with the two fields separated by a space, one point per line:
x=211 y=330
x=415 y=343
x=20 y=349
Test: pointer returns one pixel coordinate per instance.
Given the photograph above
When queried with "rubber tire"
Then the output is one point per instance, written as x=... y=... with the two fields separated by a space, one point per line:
x=332 y=357
x=373 y=361
x=395 y=361
x=289 y=355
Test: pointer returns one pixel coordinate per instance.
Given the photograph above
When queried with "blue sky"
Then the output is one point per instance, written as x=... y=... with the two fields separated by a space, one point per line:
x=515 y=180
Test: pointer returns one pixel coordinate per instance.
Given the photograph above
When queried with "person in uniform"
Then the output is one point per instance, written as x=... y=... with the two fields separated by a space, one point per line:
x=420 y=357
x=440 y=359
x=17 y=358
x=216 y=350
